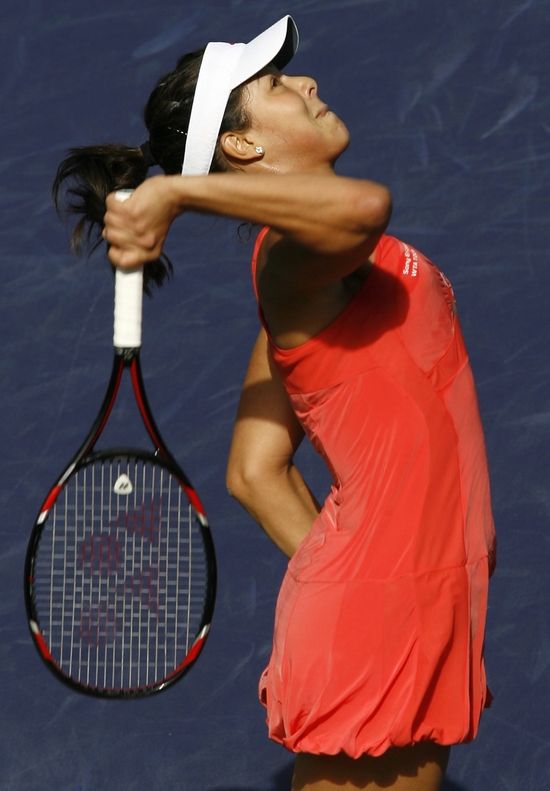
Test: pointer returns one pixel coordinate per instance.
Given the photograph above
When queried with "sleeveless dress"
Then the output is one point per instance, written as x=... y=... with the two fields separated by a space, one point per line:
x=380 y=620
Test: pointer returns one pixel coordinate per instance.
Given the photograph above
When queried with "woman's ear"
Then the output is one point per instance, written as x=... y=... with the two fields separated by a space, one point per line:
x=239 y=148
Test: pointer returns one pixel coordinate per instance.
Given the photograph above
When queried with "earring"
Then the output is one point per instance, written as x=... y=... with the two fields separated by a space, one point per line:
x=260 y=150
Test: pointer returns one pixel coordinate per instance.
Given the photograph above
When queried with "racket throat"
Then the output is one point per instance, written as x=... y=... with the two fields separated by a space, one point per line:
x=144 y=408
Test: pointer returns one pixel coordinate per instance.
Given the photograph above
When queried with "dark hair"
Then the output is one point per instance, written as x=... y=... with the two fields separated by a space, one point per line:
x=90 y=173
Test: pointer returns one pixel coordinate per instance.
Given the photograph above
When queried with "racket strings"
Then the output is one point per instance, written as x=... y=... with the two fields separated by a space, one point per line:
x=121 y=576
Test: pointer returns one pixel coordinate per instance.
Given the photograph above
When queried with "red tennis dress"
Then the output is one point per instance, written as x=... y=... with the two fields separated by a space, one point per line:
x=380 y=619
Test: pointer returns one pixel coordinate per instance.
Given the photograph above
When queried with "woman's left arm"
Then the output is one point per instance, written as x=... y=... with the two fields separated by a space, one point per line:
x=260 y=473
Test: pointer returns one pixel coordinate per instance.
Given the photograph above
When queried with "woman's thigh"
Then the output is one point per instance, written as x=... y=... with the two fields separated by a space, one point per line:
x=417 y=768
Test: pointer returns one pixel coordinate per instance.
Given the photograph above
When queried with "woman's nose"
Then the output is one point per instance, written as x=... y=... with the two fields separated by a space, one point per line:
x=305 y=85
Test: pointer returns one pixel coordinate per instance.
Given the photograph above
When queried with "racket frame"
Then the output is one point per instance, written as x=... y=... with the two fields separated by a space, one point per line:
x=124 y=358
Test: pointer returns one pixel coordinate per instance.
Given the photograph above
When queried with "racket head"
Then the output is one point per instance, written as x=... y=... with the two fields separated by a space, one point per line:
x=120 y=575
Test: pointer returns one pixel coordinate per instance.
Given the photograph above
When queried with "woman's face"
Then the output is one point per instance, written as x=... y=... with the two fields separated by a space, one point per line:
x=297 y=131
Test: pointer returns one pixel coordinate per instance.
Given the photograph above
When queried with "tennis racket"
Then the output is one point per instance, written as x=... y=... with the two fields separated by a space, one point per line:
x=120 y=573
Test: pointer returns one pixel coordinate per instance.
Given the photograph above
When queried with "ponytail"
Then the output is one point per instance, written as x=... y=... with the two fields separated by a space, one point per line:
x=82 y=183
x=89 y=174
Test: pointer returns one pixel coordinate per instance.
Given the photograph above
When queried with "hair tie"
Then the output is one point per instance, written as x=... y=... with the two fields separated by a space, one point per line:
x=147 y=154
x=175 y=129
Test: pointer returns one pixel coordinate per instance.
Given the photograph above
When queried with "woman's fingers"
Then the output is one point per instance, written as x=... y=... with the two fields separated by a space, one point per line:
x=132 y=232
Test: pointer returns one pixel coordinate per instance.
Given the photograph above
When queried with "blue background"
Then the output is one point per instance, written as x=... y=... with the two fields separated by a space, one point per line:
x=448 y=104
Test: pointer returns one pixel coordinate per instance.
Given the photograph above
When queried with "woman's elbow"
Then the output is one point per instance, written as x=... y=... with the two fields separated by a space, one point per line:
x=374 y=206
x=243 y=483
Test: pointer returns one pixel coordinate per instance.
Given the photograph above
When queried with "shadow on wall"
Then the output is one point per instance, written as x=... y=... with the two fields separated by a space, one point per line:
x=280 y=782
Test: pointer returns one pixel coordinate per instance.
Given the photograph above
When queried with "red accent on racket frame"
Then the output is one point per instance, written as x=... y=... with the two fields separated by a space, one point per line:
x=50 y=499
x=155 y=437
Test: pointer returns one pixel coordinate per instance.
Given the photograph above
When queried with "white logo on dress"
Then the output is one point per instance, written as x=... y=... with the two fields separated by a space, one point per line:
x=410 y=267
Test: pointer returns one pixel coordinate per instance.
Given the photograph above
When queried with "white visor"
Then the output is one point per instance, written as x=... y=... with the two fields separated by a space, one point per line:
x=223 y=67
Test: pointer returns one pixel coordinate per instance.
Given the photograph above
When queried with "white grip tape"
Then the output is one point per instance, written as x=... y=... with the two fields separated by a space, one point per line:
x=128 y=301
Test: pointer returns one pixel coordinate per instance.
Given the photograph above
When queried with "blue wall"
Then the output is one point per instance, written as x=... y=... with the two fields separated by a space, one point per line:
x=448 y=103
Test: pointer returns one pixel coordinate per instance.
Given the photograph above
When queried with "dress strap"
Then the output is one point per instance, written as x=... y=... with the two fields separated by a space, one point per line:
x=257 y=246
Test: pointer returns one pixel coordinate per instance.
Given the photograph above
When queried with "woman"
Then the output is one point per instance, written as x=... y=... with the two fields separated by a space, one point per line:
x=377 y=664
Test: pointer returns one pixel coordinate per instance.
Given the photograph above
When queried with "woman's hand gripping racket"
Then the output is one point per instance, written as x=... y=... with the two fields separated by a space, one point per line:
x=120 y=574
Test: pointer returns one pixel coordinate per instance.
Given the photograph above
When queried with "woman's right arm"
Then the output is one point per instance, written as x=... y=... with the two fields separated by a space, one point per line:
x=324 y=225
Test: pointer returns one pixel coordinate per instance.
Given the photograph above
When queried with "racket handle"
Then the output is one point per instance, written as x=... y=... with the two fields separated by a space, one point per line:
x=128 y=301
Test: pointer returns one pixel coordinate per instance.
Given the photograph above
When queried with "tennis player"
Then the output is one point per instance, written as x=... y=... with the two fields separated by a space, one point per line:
x=377 y=665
